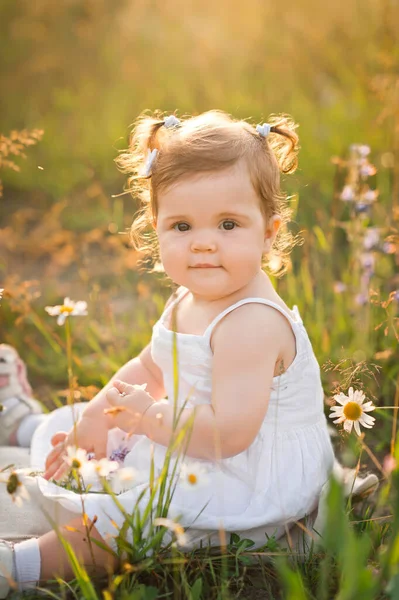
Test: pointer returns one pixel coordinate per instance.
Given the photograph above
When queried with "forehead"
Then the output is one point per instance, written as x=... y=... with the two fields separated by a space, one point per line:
x=211 y=193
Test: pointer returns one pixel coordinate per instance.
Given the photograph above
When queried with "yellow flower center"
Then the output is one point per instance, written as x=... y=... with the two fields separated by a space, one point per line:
x=66 y=309
x=12 y=483
x=352 y=411
x=192 y=479
x=76 y=464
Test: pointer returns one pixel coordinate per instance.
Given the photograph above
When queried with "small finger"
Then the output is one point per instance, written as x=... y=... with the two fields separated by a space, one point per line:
x=53 y=455
x=123 y=387
x=60 y=473
x=53 y=468
x=58 y=437
x=114 y=396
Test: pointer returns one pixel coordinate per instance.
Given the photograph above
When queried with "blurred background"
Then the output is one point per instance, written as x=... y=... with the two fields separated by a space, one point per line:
x=75 y=74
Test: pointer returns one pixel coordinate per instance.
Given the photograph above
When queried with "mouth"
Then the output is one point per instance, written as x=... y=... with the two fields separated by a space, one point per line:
x=205 y=267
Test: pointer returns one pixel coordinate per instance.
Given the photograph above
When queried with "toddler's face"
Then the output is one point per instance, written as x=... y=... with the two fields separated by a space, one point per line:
x=212 y=219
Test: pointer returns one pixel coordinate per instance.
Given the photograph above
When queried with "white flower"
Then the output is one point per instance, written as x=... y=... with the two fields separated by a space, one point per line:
x=69 y=308
x=123 y=480
x=193 y=475
x=15 y=487
x=92 y=470
x=104 y=466
x=352 y=411
x=76 y=457
x=178 y=530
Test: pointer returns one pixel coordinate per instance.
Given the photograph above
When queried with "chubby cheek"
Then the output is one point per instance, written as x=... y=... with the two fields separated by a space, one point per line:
x=246 y=256
x=174 y=256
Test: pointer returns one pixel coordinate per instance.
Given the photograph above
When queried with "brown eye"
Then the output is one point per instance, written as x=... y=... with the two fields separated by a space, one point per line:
x=230 y=225
x=177 y=227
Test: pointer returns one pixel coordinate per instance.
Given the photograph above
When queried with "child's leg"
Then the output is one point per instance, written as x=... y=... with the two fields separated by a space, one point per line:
x=31 y=520
x=54 y=560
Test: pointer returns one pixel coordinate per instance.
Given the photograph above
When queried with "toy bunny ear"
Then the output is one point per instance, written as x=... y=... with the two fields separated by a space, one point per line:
x=22 y=377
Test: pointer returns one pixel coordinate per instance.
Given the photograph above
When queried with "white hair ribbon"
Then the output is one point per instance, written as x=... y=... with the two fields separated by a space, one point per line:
x=171 y=121
x=151 y=156
x=264 y=129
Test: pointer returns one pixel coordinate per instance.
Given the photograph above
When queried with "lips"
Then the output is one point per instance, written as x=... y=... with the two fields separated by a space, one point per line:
x=204 y=266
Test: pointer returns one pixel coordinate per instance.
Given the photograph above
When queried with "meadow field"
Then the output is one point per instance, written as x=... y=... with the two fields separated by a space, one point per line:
x=74 y=75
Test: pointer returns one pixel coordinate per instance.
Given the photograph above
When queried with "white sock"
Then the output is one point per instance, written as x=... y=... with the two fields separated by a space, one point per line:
x=27 y=563
x=27 y=428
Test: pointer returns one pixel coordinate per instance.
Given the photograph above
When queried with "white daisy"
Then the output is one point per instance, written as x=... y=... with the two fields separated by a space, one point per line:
x=15 y=487
x=193 y=475
x=123 y=480
x=352 y=411
x=69 y=308
x=178 y=530
x=92 y=470
x=76 y=457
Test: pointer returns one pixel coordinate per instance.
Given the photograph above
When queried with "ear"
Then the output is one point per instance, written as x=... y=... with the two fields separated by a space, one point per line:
x=271 y=230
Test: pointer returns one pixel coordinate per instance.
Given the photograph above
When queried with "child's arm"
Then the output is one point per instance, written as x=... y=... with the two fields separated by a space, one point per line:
x=91 y=430
x=247 y=344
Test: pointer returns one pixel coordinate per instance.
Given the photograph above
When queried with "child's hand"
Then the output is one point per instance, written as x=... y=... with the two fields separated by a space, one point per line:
x=128 y=403
x=88 y=433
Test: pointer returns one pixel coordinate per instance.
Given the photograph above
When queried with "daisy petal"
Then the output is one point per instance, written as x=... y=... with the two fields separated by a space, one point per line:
x=348 y=425
x=340 y=420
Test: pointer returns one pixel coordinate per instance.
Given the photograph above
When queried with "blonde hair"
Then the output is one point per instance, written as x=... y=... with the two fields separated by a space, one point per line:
x=210 y=142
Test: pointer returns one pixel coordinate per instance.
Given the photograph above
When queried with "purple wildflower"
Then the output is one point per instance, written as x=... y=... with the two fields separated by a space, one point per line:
x=347 y=194
x=362 y=207
x=339 y=287
x=367 y=261
x=370 y=196
x=363 y=150
x=361 y=299
x=119 y=454
x=371 y=238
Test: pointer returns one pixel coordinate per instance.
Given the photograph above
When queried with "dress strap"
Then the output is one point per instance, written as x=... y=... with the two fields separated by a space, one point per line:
x=293 y=321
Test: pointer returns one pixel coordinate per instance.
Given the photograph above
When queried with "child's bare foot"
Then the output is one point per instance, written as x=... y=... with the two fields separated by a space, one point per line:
x=16 y=403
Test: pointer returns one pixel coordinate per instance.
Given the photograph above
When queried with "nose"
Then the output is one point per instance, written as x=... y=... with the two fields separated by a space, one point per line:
x=203 y=243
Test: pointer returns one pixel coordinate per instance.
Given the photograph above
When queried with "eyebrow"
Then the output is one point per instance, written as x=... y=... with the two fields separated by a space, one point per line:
x=220 y=215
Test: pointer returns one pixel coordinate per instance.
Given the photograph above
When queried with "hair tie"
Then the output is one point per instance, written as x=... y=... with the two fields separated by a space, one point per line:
x=171 y=121
x=151 y=156
x=264 y=129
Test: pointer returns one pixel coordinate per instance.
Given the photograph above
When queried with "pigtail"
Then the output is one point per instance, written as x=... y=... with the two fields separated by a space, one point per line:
x=284 y=142
x=146 y=136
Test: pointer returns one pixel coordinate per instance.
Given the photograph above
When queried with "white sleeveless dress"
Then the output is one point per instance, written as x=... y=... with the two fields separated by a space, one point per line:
x=276 y=481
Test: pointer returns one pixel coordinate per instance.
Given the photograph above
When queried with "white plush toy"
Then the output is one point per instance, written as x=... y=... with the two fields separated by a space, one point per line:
x=16 y=400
